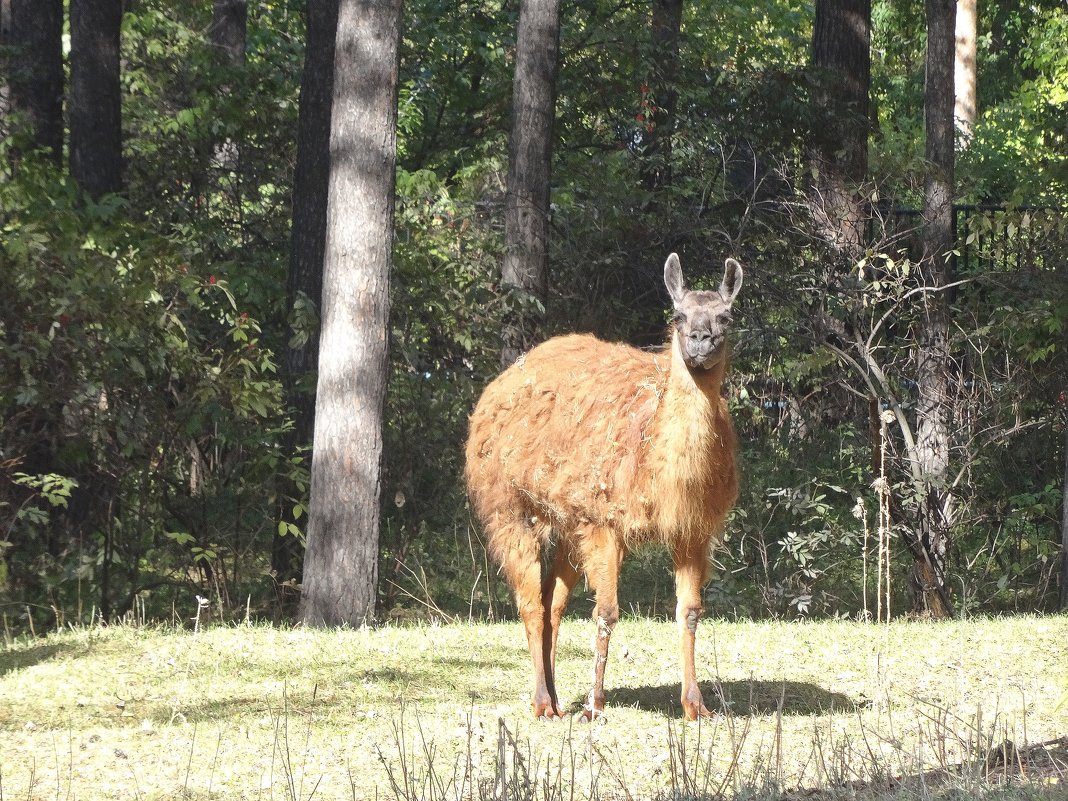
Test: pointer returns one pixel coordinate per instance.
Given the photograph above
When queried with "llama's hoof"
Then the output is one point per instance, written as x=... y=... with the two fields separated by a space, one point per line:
x=590 y=715
x=695 y=712
x=547 y=711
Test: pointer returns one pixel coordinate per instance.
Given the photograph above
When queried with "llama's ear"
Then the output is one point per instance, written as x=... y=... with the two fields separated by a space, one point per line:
x=673 y=279
x=732 y=281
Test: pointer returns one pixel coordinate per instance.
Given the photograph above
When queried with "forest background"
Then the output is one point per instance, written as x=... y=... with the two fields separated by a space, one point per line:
x=153 y=458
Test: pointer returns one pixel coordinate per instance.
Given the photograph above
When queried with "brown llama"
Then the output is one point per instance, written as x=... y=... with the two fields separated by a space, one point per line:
x=598 y=448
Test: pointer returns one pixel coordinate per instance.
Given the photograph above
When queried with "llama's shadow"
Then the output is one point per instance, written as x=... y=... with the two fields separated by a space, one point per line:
x=11 y=661
x=753 y=697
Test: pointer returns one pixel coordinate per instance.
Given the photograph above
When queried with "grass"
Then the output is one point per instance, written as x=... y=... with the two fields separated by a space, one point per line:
x=835 y=709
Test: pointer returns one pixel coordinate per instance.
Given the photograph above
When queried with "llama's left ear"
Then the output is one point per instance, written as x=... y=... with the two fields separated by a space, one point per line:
x=732 y=281
x=673 y=279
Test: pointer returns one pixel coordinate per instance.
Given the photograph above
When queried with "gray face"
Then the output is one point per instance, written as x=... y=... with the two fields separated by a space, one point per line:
x=703 y=317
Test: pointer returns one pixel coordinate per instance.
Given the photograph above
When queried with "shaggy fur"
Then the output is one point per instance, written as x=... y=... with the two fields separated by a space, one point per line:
x=599 y=448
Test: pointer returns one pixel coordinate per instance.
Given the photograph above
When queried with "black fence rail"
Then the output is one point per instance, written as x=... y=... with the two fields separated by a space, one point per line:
x=998 y=238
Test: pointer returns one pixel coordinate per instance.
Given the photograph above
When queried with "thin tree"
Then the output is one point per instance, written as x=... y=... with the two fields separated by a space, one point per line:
x=964 y=72
x=311 y=182
x=526 y=214
x=95 y=103
x=934 y=512
x=229 y=26
x=36 y=73
x=661 y=99
x=341 y=561
x=5 y=61
x=838 y=153
x=229 y=31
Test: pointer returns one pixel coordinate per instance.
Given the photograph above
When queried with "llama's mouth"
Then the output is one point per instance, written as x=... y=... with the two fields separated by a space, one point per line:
x=703 y=359
x=705 y=362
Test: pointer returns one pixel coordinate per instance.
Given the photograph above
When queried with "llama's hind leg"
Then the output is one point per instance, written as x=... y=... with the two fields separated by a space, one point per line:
x=602 y=556
x=522 y=565
x=691 y=571
x=556 y=589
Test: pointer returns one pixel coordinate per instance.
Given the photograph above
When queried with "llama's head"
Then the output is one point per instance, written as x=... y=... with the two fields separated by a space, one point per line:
x=702 y=317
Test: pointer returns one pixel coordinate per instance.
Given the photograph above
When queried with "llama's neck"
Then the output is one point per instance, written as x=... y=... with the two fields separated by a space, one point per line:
x=692 y=446
x=688 y=436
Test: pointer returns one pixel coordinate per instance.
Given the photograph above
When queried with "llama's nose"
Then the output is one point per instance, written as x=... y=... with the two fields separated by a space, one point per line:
x=702 y=342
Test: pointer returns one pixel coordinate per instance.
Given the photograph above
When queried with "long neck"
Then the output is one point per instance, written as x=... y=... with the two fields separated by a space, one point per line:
x=689 y=449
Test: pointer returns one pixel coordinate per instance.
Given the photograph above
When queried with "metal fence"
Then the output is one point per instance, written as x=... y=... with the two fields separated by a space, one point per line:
x=997 y=238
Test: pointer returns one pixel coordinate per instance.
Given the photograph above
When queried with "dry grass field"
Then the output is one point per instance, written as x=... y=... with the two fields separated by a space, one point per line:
x=807 y=710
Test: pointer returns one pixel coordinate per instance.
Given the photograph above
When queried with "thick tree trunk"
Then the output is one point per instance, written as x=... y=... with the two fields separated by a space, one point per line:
x=838 y=155
x=964 y=74
x=311 y=181
x=526 y=213
x=934 y=509
x=95 y=105
x=661 y=102
x=341 y=562
x=36 y=76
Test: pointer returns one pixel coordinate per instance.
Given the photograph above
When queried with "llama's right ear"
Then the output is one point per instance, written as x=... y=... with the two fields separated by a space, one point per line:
x=673 y=279
x=732 y=281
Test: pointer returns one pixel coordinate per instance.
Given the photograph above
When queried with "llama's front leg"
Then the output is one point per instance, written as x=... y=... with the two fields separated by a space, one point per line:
x=602 y=557
x=691 y=570
x=556 y=589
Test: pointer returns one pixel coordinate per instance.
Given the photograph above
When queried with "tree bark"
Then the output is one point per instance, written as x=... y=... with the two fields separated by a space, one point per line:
x=6 y=61
x=934 y=508
x=838 y=155
x=964 y=74
x=311 y=182
x=36 y=76
x=228 y=29
x=95 y=104
x=341 y=562
x=661 y=102
x=526 y=214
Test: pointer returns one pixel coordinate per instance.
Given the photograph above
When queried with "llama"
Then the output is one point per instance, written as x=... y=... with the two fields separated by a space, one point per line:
x=597 y=448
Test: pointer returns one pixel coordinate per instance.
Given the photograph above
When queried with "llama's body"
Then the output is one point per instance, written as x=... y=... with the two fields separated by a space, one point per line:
x=596 y=448
x=565 y=438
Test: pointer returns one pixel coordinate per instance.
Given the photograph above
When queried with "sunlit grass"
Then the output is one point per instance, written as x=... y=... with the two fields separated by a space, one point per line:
x=258 y=712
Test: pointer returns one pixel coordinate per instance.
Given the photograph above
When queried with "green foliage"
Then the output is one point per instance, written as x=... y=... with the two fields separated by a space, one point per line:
x=136 y=396
x=145 y=454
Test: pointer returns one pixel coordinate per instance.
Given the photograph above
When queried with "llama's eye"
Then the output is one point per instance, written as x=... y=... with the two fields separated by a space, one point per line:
x=678 y=318
x=724 y=319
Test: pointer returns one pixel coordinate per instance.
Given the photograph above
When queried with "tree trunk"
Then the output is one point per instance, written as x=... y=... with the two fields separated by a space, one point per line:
x=6 y=60
x=838 y=155
x=934 y=508
x=311 y=182
x=341 y=562
x=95 y=106
x=661 y=101
x=228 y=29
x=36 y=76
x=526 y=213
x=964 y=75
